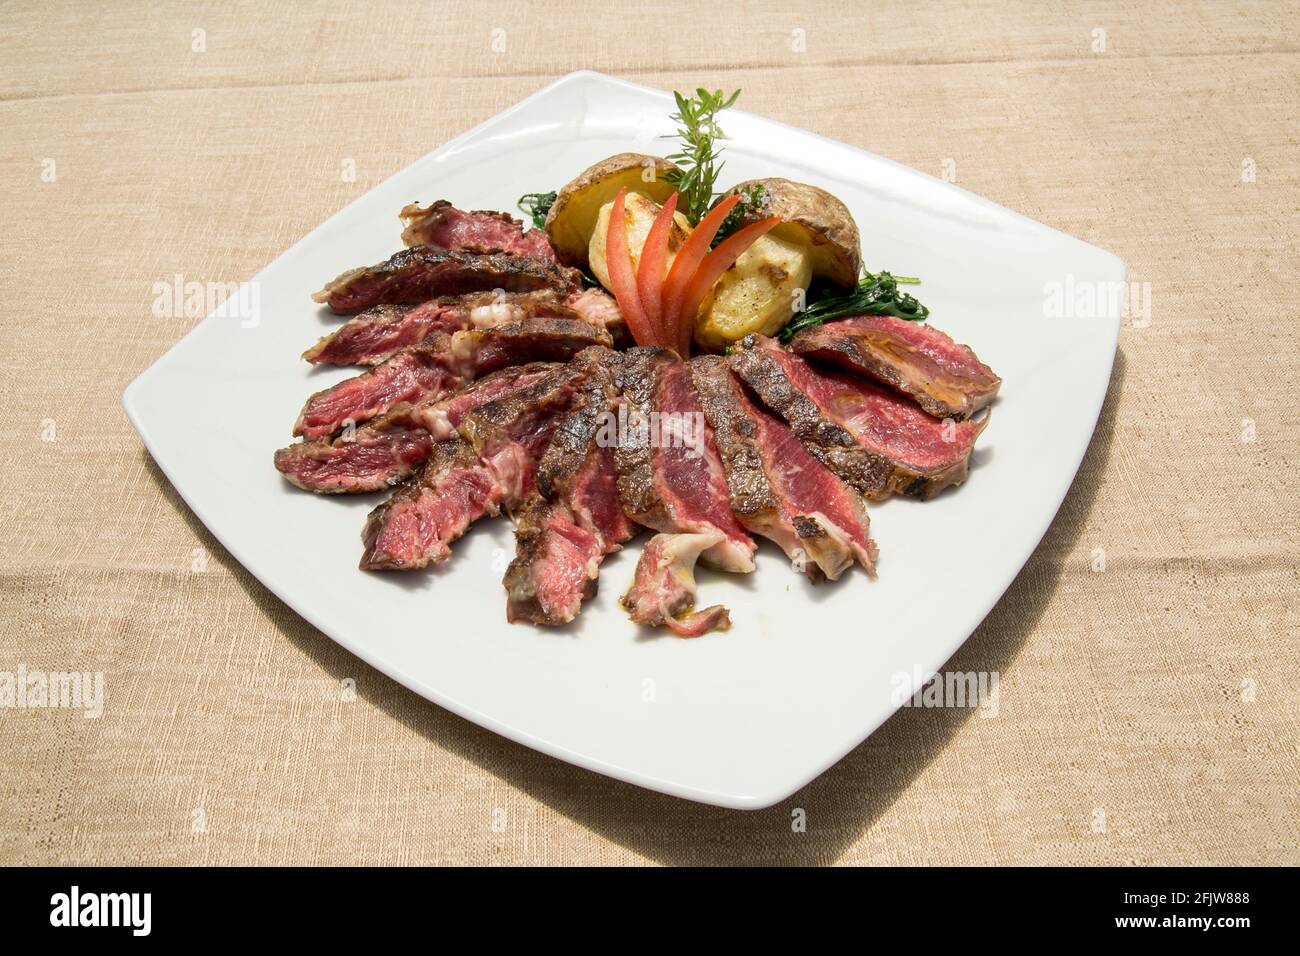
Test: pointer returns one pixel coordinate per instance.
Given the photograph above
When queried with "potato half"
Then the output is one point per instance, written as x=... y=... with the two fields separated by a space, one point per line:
x=812 y=218
x=572 y=219
x=757 y=294
x=639 y=212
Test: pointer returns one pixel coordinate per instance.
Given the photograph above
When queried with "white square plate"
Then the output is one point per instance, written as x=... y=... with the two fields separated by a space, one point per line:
x=740 y=719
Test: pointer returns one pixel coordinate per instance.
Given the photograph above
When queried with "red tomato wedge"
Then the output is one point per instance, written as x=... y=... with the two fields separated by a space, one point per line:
x=619 y=263
x=689 y=256
x=650 y=274
x=710 y=270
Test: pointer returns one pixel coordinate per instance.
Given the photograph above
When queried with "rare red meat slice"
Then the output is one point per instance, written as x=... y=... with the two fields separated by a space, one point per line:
x=371 y=460
x=532 y=340
x=670 y=476
x=555 y=565
x=944 y=378
x=387 y=449
x=575 y=518
x=492 y=466
x=663 y=591
x=428 y=370
x=778 y=490
x=878 y=441
x=377 y=333
x=443 y=226
x=440 y=364
x=426 y=514
x=418 y=274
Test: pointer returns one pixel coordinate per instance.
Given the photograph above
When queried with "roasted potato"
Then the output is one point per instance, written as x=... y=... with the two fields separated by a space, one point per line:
x=812 y=218
x=572 y=219
x=639 y=212
x=757 y=294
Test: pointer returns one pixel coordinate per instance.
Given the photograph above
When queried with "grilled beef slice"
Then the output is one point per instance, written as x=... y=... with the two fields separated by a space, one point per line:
x=427 y=513
x=575 y=518
x=663 y=591
x=670 y=475
x=491 y=466
x=418 y=274
x=377 y=333
x=443 y=226
x=944 y=378
x=387 y=449
x=440 y=364
x=877 y=441
x=778 y=490
x=428 y=370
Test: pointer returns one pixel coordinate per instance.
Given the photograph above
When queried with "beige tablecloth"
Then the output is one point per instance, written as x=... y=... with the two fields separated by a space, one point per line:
x=1148 y=711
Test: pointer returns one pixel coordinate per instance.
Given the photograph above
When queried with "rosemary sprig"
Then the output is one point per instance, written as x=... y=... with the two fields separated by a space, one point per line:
x=696 y=173
x=876 y=294
x=537 y=205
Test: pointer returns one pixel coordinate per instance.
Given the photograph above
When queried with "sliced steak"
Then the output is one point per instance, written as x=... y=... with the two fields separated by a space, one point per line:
x=663 y=591
x=426 y=371
x=778 y=490
x=533 y=340
x=670 y=476
x=440 y=364
x=426 y=514
x=387 y=449
x=443 y=226
x=944 y=378
x=377 y=333
x=491 y=467
x=575 y=518
x=372 y=460
x=876 y=440
x=418 y=274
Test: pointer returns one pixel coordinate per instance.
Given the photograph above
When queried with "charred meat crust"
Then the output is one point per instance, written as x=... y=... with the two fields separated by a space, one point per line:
x=419 y=273
x=633 y=454
x=905 y=355
x=830 y=444
x=874 y=474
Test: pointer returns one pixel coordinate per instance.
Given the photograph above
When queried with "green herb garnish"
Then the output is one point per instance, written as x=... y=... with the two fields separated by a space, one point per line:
x=696 y=173
x=751 y=200
x=537 y=205
x=876 y=294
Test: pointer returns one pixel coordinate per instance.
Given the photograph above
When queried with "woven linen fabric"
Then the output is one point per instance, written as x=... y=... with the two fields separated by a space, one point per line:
x=1147 y=653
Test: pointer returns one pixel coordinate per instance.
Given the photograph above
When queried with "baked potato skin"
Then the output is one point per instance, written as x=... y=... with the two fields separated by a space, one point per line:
x=639 y=212
x=572 y=219
x=813 y=217
x=756 y=295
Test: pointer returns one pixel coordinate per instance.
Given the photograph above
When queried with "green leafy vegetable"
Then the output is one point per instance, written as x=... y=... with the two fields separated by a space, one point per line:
x=876 y=294
x=537 y=205
x=697 y=174
x=751 y=200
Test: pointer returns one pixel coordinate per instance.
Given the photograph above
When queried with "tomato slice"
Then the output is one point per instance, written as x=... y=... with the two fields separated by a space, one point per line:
x=619 y=263
x=650 y=274
x=710 y=270
x=689 y=256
